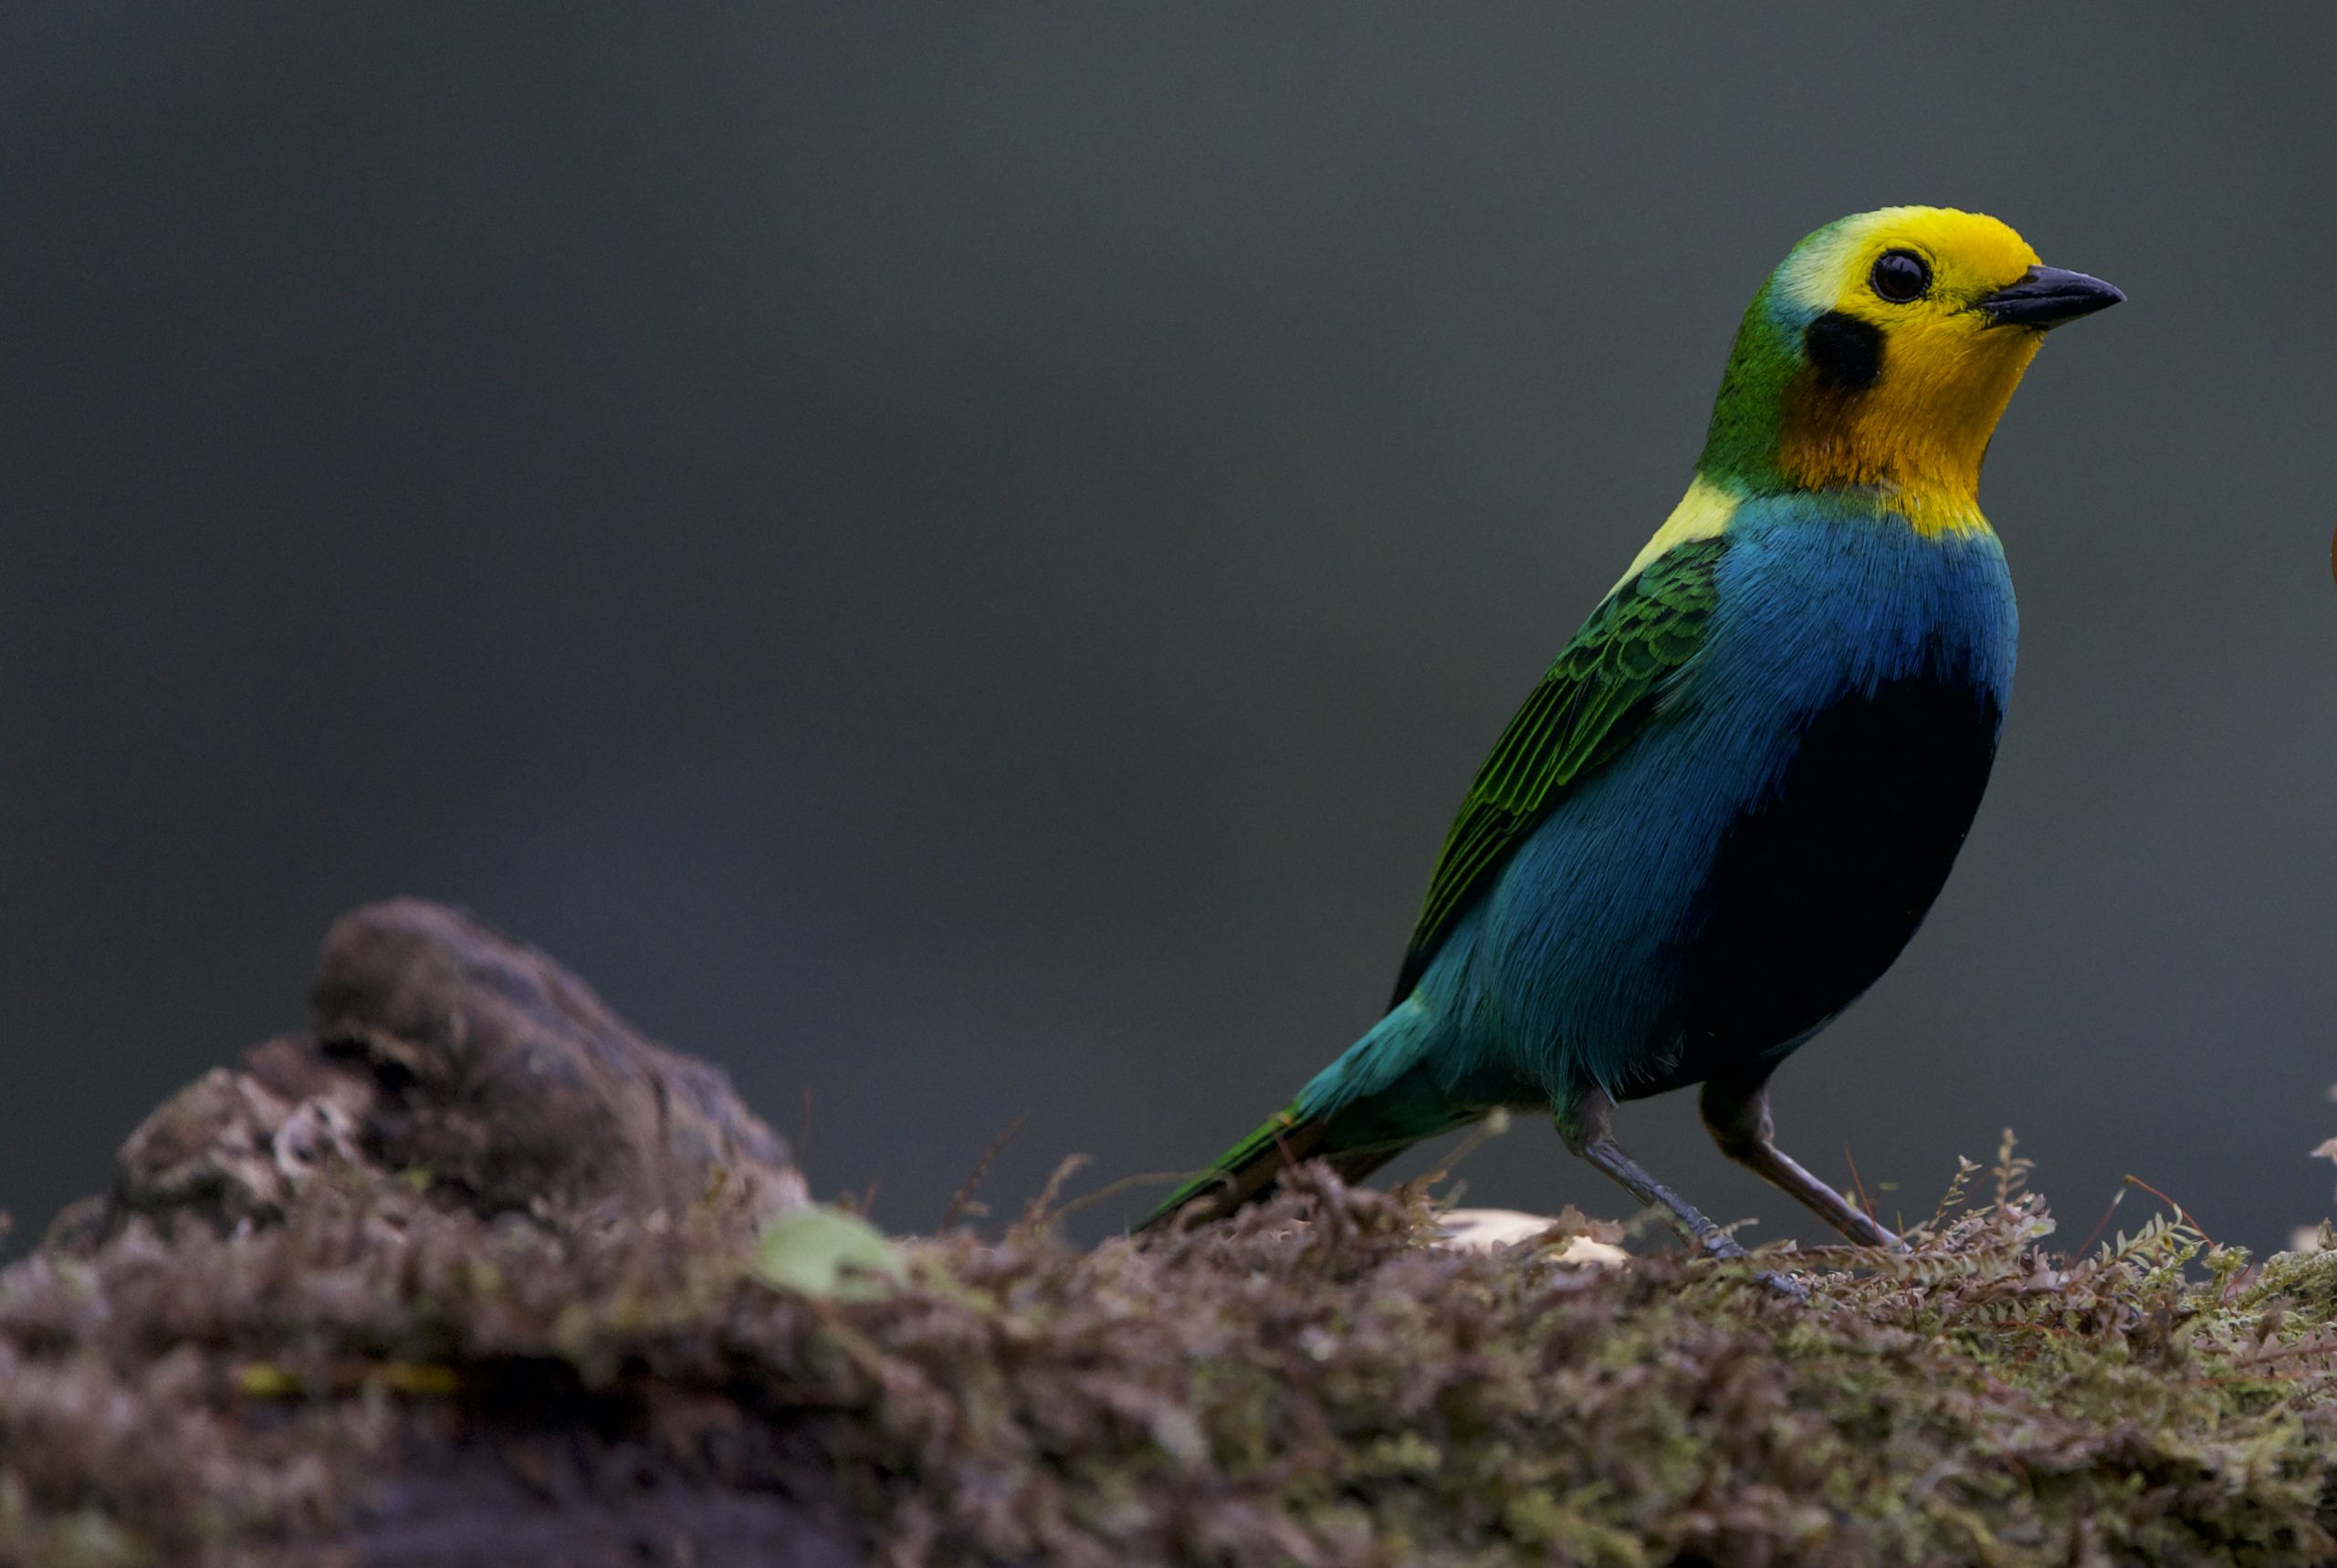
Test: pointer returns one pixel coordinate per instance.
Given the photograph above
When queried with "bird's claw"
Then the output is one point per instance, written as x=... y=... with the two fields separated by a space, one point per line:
x=1726 y=1250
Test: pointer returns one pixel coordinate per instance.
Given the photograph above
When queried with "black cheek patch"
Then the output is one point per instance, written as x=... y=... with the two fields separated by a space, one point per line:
x=1845 y=352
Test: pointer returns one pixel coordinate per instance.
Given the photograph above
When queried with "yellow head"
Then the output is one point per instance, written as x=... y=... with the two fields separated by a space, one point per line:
x=1879 y=355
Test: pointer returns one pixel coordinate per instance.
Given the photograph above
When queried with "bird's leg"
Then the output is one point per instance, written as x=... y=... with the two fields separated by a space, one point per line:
x=1738 y=1117
x=1586 y=1128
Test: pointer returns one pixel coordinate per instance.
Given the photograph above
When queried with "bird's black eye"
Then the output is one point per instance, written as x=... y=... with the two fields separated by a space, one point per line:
x=1901 y=276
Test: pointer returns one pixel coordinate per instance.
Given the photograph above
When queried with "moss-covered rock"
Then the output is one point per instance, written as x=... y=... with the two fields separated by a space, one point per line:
x=1314 y=1383
x=377 y=1366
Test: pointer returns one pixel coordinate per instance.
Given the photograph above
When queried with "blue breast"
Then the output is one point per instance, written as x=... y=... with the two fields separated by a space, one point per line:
x=1767 y=843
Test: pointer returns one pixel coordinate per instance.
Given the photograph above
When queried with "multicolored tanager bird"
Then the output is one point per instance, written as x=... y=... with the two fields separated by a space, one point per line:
x=1729 y=803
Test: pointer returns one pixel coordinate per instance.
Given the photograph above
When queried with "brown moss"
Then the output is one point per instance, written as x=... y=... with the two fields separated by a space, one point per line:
x=1312 y=1383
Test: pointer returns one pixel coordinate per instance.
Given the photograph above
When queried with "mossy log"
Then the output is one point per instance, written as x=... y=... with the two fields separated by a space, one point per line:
x=472 y=1274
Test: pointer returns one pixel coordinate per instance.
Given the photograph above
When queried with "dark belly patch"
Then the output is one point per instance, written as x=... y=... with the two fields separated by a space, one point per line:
x=1812 y=898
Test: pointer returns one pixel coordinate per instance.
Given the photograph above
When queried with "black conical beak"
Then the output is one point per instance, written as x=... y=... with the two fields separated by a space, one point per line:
x=2047 y=296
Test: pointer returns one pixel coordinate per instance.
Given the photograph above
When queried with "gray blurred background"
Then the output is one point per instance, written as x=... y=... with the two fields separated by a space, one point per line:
x=957 y=559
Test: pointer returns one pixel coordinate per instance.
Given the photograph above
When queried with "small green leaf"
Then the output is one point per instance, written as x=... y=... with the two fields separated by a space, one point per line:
x=825 y=1252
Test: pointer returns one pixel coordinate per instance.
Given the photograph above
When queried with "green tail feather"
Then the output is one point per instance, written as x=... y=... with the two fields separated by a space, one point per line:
x=1248 y=1171
x=1378 y=1099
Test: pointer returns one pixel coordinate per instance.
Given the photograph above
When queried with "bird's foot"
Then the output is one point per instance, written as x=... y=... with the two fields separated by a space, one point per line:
x=1727 y=1249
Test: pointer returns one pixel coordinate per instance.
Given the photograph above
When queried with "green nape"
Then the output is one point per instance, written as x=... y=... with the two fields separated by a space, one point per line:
x=1748 y=416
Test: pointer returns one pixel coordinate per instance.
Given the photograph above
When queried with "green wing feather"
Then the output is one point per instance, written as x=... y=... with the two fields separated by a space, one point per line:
x=1591 y=701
